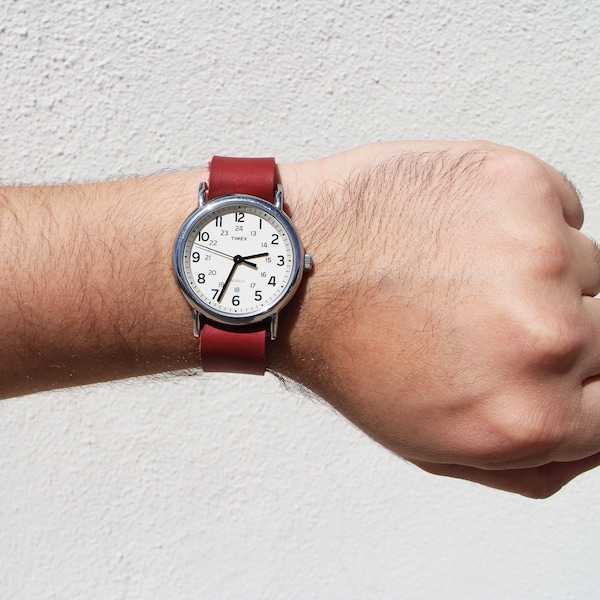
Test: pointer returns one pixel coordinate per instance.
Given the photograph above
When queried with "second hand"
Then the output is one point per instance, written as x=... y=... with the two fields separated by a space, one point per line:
x=243 y=259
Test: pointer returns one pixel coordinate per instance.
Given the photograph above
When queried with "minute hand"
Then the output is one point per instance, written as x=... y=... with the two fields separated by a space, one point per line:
x=237 y=261
x=228 y=281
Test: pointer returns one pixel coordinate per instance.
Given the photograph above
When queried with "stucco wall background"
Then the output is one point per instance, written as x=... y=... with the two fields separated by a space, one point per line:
x=232 y=487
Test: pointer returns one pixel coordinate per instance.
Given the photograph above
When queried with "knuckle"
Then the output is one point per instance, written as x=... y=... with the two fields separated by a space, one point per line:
x=553 y=345
x=515 y=167
x=522 y=175
x=537 y=333
x=548 y=342
x=523 y=433
x=520 y=171
x=550 y=255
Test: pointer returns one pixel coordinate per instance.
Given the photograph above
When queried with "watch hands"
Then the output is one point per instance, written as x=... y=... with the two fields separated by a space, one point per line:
x=237 y=261
x=228 y=280
x=245 y=258
x=242 y=259
x=214 y=251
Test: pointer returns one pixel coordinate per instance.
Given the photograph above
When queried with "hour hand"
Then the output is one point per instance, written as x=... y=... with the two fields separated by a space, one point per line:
x=245 y=259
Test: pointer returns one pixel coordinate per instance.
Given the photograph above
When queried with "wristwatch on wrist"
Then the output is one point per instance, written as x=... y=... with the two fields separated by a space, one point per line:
x=238 y=262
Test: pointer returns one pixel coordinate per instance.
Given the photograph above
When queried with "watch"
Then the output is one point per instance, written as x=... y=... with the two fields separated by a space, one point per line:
x=238 y=261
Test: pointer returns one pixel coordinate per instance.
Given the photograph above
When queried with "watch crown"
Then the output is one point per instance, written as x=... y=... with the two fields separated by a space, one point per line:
x=308 y=262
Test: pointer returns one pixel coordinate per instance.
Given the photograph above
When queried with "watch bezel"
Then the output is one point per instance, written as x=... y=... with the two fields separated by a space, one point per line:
x=216 y=205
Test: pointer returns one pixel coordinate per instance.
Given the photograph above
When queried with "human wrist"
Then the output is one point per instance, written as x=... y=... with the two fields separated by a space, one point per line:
x=315 y=196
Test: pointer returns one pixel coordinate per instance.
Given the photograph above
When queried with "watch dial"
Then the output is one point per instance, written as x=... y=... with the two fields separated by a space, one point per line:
x=239 y=259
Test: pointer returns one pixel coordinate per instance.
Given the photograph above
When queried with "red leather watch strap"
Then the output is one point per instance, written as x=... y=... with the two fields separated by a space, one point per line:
x=253 y=176
x=234 y=349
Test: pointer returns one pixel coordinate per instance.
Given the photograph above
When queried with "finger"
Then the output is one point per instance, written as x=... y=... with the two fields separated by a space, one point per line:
x=586 y=262
x=533 y=482
x=571 y=200
x=580 y=429
x=590 y=354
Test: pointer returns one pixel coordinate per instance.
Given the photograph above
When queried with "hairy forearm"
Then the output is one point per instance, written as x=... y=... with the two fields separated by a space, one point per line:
x=86 y=282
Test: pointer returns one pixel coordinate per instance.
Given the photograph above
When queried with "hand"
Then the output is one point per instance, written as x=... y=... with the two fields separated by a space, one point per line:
x=450 y=314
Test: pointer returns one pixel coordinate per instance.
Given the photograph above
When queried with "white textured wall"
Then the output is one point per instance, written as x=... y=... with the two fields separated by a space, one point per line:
x=229 y=487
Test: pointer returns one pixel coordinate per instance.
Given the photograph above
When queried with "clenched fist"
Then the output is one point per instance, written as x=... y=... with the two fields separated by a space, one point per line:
x=451 y=312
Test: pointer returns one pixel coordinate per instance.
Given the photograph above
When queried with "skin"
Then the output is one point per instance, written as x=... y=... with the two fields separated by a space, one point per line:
x=450 y=313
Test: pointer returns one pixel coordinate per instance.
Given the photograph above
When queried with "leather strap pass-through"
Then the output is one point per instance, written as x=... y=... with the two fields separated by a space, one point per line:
x=225 y=348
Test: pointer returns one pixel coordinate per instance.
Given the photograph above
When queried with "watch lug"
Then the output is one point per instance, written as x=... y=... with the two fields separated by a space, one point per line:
x=273 y=324
x=278 y=200
x=202 y=189
x=198 y=323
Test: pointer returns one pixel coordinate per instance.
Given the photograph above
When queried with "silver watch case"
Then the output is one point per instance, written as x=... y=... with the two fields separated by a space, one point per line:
x=301 y=262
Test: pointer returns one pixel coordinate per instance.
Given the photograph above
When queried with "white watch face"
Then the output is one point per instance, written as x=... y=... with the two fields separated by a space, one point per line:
x=238 y=259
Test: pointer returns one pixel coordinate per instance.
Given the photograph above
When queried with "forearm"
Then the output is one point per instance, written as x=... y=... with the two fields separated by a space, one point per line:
x=88 y=290
x=86 y=282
